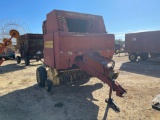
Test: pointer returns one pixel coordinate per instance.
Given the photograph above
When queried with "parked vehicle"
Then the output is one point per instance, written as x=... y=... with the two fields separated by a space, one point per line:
x=142 y=45
x=76 y=46
x=30 y=46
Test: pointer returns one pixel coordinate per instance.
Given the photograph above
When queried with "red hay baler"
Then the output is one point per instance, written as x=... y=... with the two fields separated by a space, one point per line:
x=76 y=46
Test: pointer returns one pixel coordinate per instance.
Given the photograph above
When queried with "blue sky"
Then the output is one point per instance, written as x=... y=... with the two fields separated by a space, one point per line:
x=120 y=16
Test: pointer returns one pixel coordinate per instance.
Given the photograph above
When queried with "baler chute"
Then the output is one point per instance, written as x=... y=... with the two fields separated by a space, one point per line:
x=76 y=46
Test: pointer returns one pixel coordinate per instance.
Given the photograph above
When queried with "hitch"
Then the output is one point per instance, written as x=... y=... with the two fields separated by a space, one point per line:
x=118 y=93
x=102 y=68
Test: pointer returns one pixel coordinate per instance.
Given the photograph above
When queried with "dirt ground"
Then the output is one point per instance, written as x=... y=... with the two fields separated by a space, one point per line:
x=22 y=99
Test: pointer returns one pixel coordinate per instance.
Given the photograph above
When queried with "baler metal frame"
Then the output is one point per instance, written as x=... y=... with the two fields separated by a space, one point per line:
x=70 y=53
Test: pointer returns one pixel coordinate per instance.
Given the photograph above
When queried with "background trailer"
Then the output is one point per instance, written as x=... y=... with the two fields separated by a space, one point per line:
x=142 y=44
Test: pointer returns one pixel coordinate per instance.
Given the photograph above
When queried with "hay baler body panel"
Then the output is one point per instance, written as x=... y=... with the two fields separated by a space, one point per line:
x=70 y=34
x=65 y=47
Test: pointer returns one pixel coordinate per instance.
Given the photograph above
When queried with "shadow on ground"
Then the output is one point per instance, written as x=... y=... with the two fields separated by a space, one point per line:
x=151 y=67
x=10 y=68
x=65 y=102
x=33 y=62
x=16 y=67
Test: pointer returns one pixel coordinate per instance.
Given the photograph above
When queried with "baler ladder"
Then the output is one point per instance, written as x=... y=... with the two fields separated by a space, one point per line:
x=102 y=68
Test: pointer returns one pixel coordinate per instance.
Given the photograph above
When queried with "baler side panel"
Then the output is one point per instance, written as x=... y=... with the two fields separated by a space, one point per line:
x=71 y=46
x=87 y=43
x=57 y=50
x=49 y=50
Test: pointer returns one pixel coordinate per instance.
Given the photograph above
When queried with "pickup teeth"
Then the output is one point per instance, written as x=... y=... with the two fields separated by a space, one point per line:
x=68 y=77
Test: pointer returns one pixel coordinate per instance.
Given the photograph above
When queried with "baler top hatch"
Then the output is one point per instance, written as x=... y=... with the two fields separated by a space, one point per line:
x=58 y=20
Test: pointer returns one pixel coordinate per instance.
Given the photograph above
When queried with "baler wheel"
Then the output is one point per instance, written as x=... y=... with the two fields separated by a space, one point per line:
x=41 y=75
x=18 y=58
x=133 y=57
x=48 y=85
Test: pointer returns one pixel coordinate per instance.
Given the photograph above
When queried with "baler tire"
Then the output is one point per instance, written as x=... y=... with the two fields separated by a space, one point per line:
x=18 y=58
x=27 y=62
x=144 y=56
x=48 y=85
x=133 y=57
x=41 y=75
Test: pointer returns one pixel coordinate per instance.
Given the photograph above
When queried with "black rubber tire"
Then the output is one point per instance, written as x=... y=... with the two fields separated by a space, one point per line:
x=18 y=58
x=27 y=62
x=48 y=85
x=41 y=75
x=133 y=57
x=144 y=56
